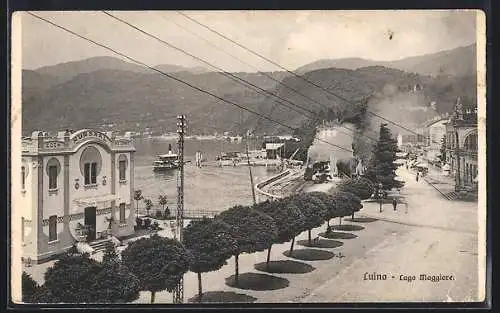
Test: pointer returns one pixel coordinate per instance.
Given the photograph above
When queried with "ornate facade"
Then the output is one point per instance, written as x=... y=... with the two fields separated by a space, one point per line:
x=462 y=147
x=76 y=186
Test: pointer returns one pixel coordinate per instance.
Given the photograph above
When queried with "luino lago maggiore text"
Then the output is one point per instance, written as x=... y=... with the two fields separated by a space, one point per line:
x=408 y=278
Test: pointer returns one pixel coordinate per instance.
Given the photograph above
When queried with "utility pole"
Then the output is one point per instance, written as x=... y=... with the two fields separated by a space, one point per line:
x=250 y=169
x=178 y=294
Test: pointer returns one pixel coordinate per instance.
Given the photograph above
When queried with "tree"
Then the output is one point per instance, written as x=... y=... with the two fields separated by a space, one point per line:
x=361 y=187
x=313 y=210
x=149 y=204
x=329 y=205
x=114 y=283
x=29 y=287
x=253 y=230
x=346 y=204
x=210 y=244
x=381 y=168
x=162 y=200
x=137 y=197
x=80 y=279
x=70 y=279
x=158 y=262
x=288 y=218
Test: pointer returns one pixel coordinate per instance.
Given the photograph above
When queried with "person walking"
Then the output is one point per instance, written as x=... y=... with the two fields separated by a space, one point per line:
x=394 y=203
x=418 y=173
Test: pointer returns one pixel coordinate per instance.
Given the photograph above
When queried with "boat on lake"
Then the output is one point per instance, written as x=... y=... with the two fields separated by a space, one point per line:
x=166 y=162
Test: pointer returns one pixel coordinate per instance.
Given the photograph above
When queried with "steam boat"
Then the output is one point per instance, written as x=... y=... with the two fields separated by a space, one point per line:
x=166 y=162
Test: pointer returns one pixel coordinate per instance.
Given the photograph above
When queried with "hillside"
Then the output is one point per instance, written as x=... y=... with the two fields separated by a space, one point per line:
x=130 y=100
x=456 y=62
x=68 y=70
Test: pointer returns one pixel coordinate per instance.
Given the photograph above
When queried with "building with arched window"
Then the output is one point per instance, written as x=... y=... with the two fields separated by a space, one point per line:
x=462 y=148
x=76 y=187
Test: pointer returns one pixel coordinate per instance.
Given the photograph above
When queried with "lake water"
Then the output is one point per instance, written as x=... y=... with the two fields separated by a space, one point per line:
x=209 y=187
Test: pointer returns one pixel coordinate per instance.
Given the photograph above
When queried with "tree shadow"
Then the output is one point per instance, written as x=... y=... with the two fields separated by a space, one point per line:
x=338 y=235
x=348 y=227
x=362 y=220
x=325 y=244
x=309 y=254
x=285 y=267
x=255 y=281
x=222 y=297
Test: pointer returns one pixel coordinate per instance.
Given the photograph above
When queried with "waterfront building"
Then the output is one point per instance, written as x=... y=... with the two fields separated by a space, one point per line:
x=75 y=187
x=274 y=150
x=462 y=147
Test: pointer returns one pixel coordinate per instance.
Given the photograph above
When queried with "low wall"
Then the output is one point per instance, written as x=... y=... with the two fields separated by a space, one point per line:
x=259 y=186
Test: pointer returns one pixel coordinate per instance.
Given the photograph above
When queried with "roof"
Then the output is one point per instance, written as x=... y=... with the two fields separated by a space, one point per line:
x=274 y=146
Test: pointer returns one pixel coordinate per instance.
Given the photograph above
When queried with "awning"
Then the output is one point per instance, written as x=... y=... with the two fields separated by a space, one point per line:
x=93 y=201
x=274 y=146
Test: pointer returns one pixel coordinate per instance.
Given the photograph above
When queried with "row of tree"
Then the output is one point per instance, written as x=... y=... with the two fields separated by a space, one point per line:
x=148 y=203
x=157 y=263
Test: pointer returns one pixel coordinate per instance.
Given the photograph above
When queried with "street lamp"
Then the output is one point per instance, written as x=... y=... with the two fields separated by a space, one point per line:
x=380 y=195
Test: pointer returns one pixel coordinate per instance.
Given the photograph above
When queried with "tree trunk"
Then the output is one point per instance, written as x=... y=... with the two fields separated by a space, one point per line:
x=268 y=257
x=309 y=236
x=291 y=247
x=153 y=296
x=327 y=225
x=352 y=216
x=200 y=289
x=237 y=269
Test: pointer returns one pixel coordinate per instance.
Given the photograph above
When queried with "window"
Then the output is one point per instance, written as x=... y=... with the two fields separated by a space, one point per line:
x=90 y=165
x=122 y=166
x=23 y=177
x=471 y=142
x=122 y=213
x=90 y=173
x=93 y=173
x=52 y=177
x=53 y=228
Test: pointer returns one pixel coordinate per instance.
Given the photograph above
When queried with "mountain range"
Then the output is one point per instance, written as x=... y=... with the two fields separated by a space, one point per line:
x=444 y=63
x=108 y=91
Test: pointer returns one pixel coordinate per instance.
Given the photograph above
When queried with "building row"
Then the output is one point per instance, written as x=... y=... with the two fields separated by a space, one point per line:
x=450 y=140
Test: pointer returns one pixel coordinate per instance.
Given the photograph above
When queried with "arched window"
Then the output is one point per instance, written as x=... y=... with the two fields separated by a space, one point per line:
x=122 y=166
x=470 y=143
x=53 y=170
x=90 y=165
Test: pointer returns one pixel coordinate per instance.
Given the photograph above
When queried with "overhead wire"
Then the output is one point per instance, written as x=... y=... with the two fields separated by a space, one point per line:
x=172 y=77
x=225 y=73
x=288 y=71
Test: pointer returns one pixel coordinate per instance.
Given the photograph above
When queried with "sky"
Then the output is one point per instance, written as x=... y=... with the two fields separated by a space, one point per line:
x=290 y=38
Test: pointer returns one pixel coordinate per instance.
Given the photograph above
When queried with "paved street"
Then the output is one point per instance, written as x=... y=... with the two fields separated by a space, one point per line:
x=440 y=238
